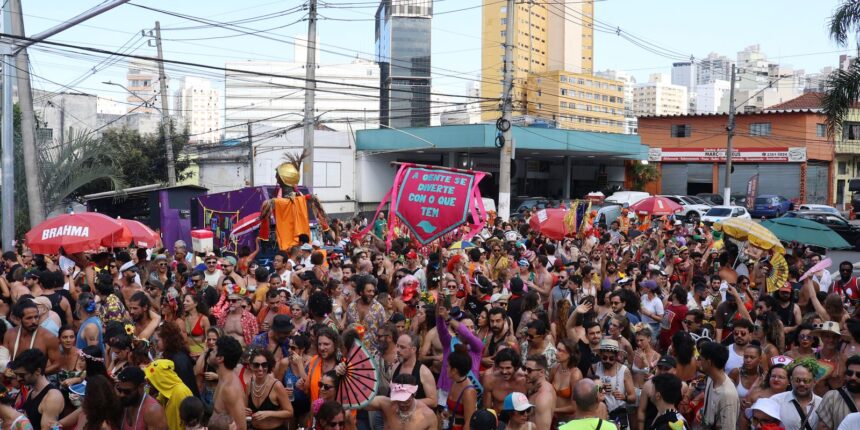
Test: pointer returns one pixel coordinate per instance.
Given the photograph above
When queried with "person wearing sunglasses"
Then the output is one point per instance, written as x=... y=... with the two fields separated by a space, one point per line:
x=269 y=404
x=835 y=404
x=798 y=407
x=516 y=411
x=140 y=410
x=616 y=381
x=212 y=274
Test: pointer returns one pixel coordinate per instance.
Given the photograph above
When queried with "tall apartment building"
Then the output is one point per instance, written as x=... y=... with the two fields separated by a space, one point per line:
x=712 y=68
x=551 y=36
x=710 y=95
x=142 y=81
x=628 y=80
x=197 y=105
x=659 y=97
x=577 y=101
x=403 y=54
x=346 y=96
x=685 y=74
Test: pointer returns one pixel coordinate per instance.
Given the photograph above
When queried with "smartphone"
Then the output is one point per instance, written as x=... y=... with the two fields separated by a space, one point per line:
x=447 y=301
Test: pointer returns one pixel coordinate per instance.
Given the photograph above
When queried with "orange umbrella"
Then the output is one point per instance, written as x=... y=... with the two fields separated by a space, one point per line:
x=139 y=233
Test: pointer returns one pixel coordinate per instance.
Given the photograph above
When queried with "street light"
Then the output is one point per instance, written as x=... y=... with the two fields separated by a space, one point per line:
x=146 y=103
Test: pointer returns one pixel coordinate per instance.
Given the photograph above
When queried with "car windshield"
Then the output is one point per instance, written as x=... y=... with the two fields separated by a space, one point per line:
x=790 y=215
x=697 y=200
x=762 y=200
x=719 y=212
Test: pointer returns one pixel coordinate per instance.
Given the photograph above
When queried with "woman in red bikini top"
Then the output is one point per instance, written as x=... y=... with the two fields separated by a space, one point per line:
x=463 y=397
x=196 y=324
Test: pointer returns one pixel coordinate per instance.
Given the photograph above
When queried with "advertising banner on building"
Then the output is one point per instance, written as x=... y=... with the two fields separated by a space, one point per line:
x=429 y=202
x=716 y=155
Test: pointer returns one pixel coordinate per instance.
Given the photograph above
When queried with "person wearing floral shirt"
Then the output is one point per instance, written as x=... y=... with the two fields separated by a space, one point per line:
x=233 y=315
x=367 y=312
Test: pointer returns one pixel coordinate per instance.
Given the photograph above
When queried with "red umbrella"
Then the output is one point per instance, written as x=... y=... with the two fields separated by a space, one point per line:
x=550 y=223
x=75 y=233
x=655 y=205
x=246 y=225
x=139 y=233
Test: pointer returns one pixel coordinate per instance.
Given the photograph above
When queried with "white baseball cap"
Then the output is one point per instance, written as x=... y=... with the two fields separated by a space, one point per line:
x=766 y=405
x=516 y=402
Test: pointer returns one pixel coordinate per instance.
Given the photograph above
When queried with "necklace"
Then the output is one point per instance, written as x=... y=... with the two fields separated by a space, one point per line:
x=258 y=393
x=407 y=416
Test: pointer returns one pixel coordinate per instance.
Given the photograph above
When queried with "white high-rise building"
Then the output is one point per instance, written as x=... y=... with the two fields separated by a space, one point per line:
x=272 y=93
x=659 y=97
x=198 y=107
x=709 y=96
x=142 y=81
x=685 y=74
x=712 y=68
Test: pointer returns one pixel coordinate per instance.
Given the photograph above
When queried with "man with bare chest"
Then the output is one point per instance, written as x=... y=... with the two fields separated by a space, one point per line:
x=29 y=335
x=503 y=379
x=233 y=320
x=401 y=411
x=229 y=399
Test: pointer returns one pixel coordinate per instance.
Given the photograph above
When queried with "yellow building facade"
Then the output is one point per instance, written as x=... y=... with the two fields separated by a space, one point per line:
x=548 y=36
x=577 y=101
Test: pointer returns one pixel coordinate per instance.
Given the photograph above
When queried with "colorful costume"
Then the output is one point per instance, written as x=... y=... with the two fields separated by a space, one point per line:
x=171 y=391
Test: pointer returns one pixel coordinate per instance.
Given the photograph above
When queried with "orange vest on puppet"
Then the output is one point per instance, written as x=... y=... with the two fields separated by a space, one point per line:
x=290 y=207
x=624 y=220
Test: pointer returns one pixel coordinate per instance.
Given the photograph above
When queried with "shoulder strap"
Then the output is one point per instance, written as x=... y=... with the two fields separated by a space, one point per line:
x=804 y=420
x=848 y=400
x=599 y=424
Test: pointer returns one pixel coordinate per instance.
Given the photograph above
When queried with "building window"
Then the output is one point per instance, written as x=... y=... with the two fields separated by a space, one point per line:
x=563 y=92
x=503 y=35
x=760 y=129
x=842 y=168
x=682 y=130
x=820 y=130
x=563 y=104
x=851 y=131
x=327 y=174
x=504 y=21
x=563 y=78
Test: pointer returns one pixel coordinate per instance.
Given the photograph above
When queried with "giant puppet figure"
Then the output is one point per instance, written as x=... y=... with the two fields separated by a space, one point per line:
x=290 y=206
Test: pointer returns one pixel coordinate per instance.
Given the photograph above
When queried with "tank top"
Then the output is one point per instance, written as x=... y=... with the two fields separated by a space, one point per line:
x=139 y=422
x=81 y=343
x=735 y=360
x=31 y=405
x=785 y=314
x=742 y=391
x=617 y=384
x=416 y=373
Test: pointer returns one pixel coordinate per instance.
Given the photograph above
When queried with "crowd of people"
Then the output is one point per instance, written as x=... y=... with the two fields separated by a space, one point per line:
x=628 y=326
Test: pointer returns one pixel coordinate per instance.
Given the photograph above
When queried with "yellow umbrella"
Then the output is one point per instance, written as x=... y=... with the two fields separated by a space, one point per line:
x=752 y=232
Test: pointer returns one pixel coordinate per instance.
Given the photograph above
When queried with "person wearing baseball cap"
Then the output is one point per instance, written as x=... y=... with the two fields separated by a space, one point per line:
x=647 y=408
x=614 y=380
x=402 y=409
x=516 y=411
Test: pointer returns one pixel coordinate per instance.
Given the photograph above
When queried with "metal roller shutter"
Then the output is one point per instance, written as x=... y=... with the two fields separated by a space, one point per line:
x=699 y=173
x=817 y=178
x=779 y=179
x=742 y=175
x=674 y=179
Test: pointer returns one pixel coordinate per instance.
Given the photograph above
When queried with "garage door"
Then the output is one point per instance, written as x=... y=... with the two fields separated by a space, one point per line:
x=700 y=173
x=674 y=179
x=817 y=175
x=742 y=175
x=780 y=179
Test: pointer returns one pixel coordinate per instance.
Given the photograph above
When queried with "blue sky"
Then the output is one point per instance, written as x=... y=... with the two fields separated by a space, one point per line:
x=792 y=32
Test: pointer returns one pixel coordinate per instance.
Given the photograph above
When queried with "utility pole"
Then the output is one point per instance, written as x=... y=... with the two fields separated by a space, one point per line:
x=8 y=141
x=730 y=132
x=504 y=125
x=310 y=89
x=28 y=123
x=251 y=153
x=165 y=113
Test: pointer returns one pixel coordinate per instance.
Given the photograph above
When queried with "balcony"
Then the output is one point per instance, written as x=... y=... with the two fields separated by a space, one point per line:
x=848 y=147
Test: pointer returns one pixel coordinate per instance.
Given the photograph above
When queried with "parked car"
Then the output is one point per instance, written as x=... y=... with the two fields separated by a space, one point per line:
x=739 y=200
x=525 y=203
x=838 y=223
x=713 y=199
x=819 y=208
x=606 y=213
x=770 y=205
x=722 y=213
x=694 y=207
x=627 y=198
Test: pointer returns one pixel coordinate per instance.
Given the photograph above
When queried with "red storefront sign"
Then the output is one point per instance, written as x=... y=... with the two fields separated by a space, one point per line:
x=715 y=155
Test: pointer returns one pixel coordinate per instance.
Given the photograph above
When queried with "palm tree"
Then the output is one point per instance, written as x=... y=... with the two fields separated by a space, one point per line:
x=85 y=159
x=843 y=86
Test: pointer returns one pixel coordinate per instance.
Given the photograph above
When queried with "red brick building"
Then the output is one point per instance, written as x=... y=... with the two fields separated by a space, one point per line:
x=785 y=144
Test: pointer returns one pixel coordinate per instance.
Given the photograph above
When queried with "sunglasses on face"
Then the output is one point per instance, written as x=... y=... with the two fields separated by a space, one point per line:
x=210 y=262
x=608 y=356
x=531 y=369
x=805 y=337
x=340 y=424
x=850 y=373
x=525 y=412
x=257 y=365
x=324 y=386
x=802 y=380
x=232 y=300
x=532 y=336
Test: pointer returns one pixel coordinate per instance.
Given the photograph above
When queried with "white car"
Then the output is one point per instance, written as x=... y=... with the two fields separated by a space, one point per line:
x=694 y=207
x=819 y=208
x=626 y=198
x=722 y=213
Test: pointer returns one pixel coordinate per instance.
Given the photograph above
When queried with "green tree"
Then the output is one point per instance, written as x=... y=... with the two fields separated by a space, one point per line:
x=843 y=86
x=644 y=174
x=142 y=156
